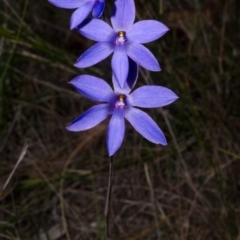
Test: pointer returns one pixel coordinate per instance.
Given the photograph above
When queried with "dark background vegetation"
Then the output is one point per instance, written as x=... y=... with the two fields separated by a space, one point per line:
x=187 y=190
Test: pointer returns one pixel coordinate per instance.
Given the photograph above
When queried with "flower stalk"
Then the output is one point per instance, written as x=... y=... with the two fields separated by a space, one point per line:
x=108 y=199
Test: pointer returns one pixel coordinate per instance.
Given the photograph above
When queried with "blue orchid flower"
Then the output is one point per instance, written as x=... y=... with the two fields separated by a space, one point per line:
x=84 y=7
x=124 y=39
x=120 y=103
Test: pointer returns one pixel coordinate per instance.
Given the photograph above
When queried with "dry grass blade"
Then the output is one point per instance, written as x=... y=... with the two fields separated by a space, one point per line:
x=146 y=170
x=21 y=157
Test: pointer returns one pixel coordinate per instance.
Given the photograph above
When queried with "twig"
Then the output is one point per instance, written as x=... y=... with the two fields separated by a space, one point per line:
x=108 y=200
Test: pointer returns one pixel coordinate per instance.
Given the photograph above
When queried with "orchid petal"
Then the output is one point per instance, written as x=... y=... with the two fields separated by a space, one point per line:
x=116 y=130
x=95 y=54
x=152 y=96
x=132 y=75
x=123 y=15
x=120 y=64
x=68 y=4
x=98 y=9
x=93 y=88
x=81 y=14
x=131 y=78
x=90 y=118
x=146 y=31
x=145 y=125
x=96 y=30
x=116 y=86
x=142 y=56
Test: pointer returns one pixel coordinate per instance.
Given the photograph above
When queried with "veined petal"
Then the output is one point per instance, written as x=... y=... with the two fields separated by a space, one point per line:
x=131 y=78
x=116 y=130
x=145 y=125
x=93 y=88
x=98 y=9
x=120 y=64
x=123 y=14
x=81 y=14
x=96 y=30
x=95 y=54
x=152 y=96
x=142 y=56
x=90 y=118
x=68 y=4
x=146 y=31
